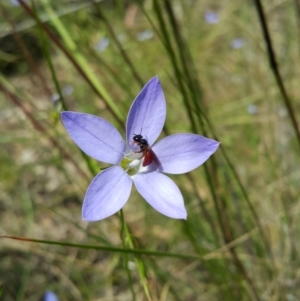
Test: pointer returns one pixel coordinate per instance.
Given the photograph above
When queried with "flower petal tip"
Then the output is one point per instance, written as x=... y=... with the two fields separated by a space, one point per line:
x=91 y=216
x=87 y=218
x=183 y=215
x=147 y=113
x=179 y=215
x=217 y=144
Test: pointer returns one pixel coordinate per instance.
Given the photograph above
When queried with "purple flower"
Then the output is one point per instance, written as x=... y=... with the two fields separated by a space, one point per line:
x=145 y=35
x=102 y=44
x=175 y=154
x=211 y=17
x=50 y=296
x=252 y=109
x=237 y=43
x=17 y=2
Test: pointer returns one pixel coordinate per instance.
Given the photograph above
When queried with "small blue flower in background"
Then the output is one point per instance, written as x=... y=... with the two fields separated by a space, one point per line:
x=175 y=154
x=145 y=35
x=15 y=2
x=211 y=17
x=237 y=43
x=66 y=91
x=102 y=44
x=50 y=296
x=54 y=98
x=252 y=109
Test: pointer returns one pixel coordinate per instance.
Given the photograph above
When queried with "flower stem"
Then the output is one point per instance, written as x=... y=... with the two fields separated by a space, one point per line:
x=123 y=238
x=127 y=242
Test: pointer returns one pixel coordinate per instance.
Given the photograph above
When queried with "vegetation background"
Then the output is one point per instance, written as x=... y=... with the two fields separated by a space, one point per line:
x=229 y=70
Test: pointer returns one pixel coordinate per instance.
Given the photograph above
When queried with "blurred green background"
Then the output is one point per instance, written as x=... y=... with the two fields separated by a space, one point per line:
x=243 y=205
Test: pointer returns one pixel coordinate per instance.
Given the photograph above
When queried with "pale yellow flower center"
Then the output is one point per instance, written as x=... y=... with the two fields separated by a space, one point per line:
x=131 y=163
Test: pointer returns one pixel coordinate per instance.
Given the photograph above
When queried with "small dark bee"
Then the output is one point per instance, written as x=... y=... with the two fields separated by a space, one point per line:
x=145 y=149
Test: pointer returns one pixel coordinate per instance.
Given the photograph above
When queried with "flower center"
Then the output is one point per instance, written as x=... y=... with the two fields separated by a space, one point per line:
x=131 y=163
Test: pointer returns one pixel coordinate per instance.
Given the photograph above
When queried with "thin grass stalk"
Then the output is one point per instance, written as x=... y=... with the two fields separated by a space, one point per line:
x=191 y=75
x=225 y=226
x=138 y=252
x=290 y=231
x=79 y=58
x=154 y=265
x=297 y=11
x=116 y=76
x=223 y=219
x=165 y=279
x=191 y=78
x=204 y=209
x=126 y=259
x=58 y=88
x=40 y=128
x=208 y=265
x=171 y=52
x=164 y=36
x=168 y=45
x=186 y=60
x=25 y=51
x=157 y=31
x=123 y=53
x=275 y=69
x=176 y=68
x=139 y=262
x=248 y=201
x=112 y=108
x=50 y=65
x=28 y=24
x=187 y=64
x=240 y=184
x=174 y=61
x=77 y=226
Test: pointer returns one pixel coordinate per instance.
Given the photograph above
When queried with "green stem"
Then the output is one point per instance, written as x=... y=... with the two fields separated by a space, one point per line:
x=127 y=241
x=123 y=238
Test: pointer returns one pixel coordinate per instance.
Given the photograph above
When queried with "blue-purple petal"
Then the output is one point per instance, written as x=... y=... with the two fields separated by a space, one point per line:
x=161 y=193
x=95 y=136
x=147 y=113
x=107 y=194
x=50 y=296
x=181 y=153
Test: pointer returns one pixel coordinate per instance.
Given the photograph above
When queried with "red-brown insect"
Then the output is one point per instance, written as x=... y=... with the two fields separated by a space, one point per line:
x=145 y=149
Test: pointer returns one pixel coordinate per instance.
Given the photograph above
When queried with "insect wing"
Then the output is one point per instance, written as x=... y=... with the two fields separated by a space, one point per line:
x=149 y=157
